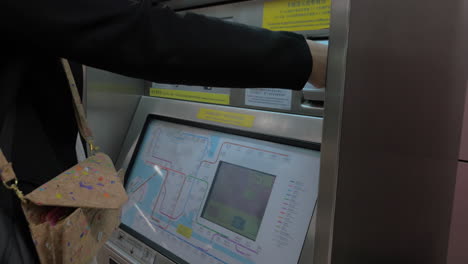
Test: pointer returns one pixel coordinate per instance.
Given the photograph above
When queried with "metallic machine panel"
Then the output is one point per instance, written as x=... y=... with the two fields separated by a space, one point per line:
x=123 y=248
x=111 y=100
x=458 y=242
x=464 y=132
x=249 y=13
x=332 y=130
x=395 y=156
x=303 y=128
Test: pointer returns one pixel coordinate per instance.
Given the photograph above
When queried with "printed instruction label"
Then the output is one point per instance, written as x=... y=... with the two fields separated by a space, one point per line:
x=269 y=97
x=212 y=98
x=299 y=15
x=230 y=118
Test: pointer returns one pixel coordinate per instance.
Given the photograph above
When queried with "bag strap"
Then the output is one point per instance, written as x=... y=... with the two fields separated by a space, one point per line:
x=6 y=170
x=7 y=174
x=80 y=116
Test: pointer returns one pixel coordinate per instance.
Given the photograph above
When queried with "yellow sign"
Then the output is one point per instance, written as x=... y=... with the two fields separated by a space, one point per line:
x=289 y=15
x=226 y=117
x=191 y=96
x=185 y=231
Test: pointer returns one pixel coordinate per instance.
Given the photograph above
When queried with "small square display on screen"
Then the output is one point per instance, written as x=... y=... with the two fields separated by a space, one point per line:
x=238 y=199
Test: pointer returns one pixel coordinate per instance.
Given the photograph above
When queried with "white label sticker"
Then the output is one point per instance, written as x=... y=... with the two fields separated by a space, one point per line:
x=268 y=97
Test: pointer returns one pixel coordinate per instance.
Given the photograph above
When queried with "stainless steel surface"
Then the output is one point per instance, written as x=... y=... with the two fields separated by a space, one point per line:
x=313 y=94
x=116 y=251
x=249 y=13
x=304 y=128
x=125 y=249
x=309 y=101
x=458 y=243
x=111 y=100
x=395 y=157
x=111 y=252
x=330 y=149
x=189 y=88
x=464 y=135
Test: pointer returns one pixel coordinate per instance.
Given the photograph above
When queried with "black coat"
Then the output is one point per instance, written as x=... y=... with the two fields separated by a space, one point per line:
x=128 y=37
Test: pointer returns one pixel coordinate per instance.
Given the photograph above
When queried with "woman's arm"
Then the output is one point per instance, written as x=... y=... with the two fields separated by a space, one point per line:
x=140 y=40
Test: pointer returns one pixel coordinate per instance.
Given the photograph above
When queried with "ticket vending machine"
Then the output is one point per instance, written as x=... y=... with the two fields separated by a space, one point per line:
x=217 y=175
x=216 y=184
x=383 y=177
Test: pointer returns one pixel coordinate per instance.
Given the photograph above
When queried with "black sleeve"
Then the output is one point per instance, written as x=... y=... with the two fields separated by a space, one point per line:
x=137 y=39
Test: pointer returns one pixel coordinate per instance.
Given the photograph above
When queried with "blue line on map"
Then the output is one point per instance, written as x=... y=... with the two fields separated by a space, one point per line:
x=214 y=142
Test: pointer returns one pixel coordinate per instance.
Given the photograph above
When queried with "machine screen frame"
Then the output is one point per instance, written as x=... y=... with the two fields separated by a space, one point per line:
x=249 y=134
